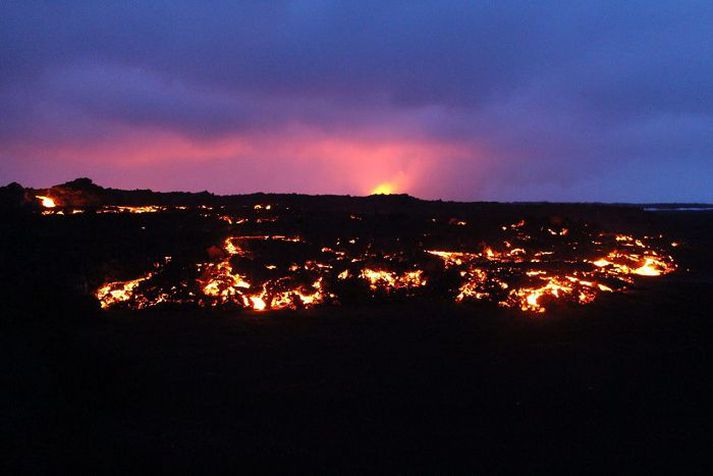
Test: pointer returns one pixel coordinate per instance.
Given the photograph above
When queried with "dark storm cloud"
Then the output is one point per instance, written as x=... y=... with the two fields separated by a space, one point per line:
x=553 y=100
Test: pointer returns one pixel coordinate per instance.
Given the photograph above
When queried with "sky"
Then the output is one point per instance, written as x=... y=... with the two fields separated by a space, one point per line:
x=459 y=100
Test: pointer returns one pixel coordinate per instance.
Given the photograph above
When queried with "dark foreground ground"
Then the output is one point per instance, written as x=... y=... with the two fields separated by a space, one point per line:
x=613 y=387
x=621 y=385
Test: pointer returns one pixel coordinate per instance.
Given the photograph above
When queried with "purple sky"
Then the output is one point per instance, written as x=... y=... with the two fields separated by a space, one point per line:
x=577 y=101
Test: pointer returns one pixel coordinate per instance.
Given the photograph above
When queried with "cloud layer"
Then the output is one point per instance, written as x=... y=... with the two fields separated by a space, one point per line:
x=608 y=100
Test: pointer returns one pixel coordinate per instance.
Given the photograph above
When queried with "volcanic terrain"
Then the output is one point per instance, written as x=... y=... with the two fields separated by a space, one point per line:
x=163 y=330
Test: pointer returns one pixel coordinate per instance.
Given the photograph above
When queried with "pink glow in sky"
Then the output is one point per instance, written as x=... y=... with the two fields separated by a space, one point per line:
x=302 y=162
x=510 y=100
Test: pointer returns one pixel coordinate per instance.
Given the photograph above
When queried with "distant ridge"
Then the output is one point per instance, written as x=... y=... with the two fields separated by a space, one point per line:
x=84 y=192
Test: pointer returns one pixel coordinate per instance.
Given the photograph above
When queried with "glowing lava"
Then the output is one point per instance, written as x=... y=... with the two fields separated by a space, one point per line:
x=46 y=202
x=222 y=285
x=531 y=267
x=117 y=292
x=388 y=281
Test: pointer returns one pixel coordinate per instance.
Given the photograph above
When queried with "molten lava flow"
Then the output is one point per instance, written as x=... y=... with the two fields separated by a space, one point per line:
x=389 y=281
x=475 y=285
x=223 y=285
x=454 y=258
x=47 y=202
x=624 y=263
x=292 y=298
x=130 y=209
x=118 y=292
x=651 y=267
x=554 y=288
x=531 y=281
x=257 y=303
x=272 y=264
x=220 y=282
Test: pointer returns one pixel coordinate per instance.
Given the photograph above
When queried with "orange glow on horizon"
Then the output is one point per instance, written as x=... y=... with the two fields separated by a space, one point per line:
x=383 y=189
x=310 y=161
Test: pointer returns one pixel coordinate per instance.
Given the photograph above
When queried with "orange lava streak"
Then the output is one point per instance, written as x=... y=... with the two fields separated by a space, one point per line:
x=46 y=202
